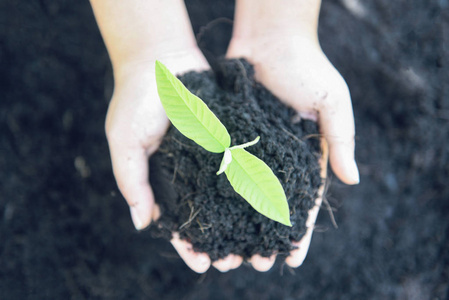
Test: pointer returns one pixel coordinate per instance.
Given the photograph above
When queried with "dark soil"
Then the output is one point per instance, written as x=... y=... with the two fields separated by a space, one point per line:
x=203 y=207
x=66 y=233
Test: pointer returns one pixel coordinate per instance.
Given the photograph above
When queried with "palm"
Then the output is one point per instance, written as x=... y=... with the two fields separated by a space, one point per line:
x=299 y=74
x=135 y=116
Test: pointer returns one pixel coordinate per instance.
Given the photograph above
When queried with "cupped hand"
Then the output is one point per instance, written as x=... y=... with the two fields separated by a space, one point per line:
x=135 y=125
x=295 y=69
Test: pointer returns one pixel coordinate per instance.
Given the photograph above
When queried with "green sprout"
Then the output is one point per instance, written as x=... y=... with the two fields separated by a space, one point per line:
x=250 y=177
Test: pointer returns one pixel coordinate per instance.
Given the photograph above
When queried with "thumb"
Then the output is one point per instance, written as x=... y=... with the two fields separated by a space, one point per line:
x=130 y=166
x=337 y=124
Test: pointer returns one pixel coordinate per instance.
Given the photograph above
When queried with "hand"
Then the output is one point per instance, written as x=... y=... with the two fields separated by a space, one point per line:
x=299 y=74
x=295 y=69
x=135 y=125
x=298 y=255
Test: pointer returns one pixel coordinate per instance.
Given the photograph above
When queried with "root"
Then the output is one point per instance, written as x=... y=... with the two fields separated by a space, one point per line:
x=174 y=173
x=192 y=216
x=292 y=135
x=329 y=208
x=202 y=228
x=310 y=136
x=210 y=25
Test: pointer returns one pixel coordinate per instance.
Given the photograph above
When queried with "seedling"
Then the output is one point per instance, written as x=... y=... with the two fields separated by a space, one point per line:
x=250 y=177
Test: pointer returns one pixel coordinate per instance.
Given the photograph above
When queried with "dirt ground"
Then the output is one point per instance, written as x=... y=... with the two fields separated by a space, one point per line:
x=65 y=231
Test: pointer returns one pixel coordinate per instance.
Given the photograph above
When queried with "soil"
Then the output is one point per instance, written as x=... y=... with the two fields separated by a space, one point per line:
x=66 y=233
x=203 y=207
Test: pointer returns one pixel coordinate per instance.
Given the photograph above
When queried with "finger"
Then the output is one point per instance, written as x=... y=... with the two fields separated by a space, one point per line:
x=130 y=166
x=230 y=262
x=262 y=264
x=337 y=124
x=297 y=256
x=198 y=262
x=237 y=262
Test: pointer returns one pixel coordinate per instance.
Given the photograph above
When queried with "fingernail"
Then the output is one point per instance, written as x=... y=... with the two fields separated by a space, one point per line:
x=135 y=217
x=354 y=173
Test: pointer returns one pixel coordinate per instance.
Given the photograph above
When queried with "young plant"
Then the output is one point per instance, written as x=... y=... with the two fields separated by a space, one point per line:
x=250 y=177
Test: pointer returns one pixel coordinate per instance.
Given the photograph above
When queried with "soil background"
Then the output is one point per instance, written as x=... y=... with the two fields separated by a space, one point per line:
x=65 y=231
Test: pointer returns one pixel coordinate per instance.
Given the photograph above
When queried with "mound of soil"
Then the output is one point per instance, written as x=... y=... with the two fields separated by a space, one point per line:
x=203 y=207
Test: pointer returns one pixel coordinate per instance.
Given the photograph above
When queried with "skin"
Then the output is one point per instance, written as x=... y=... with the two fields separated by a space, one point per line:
x=282 y=43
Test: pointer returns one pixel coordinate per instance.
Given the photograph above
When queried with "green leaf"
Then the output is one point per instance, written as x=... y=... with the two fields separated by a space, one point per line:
x=255 y=182
x=189 y=114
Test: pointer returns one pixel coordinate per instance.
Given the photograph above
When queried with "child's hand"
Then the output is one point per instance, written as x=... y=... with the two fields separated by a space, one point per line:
x=135 y=125
x=295 y=70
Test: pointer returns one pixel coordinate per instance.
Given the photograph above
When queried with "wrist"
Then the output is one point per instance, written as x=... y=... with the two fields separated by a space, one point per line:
x=258 y=49
x=179 y=58
x=267 y=20
x=136 y=30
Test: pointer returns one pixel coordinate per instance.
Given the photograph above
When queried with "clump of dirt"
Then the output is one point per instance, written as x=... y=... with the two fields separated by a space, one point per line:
x=202 y=206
